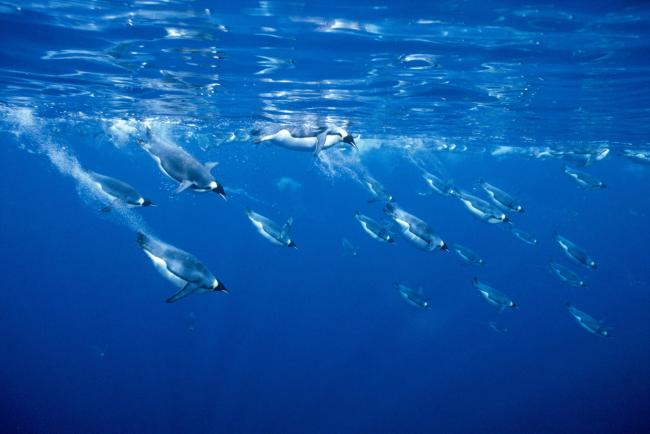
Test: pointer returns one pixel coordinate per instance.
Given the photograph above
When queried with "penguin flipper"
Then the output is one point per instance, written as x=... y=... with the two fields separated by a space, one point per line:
x=320 y=141
x=106 y=209
x=211 y=165
x=184 y=186
x=287 y=227
x=188 y=289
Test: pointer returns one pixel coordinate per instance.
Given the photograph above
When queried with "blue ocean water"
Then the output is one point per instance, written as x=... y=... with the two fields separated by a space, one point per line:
x=315 y=339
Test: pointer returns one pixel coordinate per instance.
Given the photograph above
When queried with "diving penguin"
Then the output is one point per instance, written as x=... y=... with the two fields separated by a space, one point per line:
x=306 y=138
x=500 y=198
x=119 y=191
x=182 y=167
x=414 y=297
x=589 y=323
x=373 y=228
x=576 y=253
x=584 y=180
x=271 y=230
x=415 y=230
x=566 y=275
x=494 y=297
x=467 y=255
x=481 y=208
x=179 y=267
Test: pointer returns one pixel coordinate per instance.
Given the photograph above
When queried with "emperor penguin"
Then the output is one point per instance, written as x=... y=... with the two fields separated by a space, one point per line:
x=307 y=138
x=179 y=267
x=119 y=191
x=271 y=230
x=182 y=167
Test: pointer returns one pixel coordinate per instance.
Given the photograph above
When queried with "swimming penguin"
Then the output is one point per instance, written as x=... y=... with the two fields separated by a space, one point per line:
x=306 y=138
x=378 y=191
x=414 y=297
x=500 y=198
x=436 y=184
x=494 y=297
x=566 y=275
x=349 y=249
x=584 y=180
x=179 y=267
x=180 y=166
x=466 y=254
x=415 y=230
x=119 y=191
x=588 y=322
x=574 y=252
x=270 y=230
x=497 y=328
x=481 y=208
x=637 y=155
x=373 y=228
x=523 y=236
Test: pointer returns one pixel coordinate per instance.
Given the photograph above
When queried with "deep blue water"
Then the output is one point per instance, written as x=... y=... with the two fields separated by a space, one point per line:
x=312 y=340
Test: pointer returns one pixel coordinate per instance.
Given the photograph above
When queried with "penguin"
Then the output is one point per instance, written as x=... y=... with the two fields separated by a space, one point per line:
x=415 y=230
x=523 y=236
x=119 y=191
x=270 y=230
x=414 y=297
x=481 y=208
x=436 y=184
x=179 y=267
x=349 y=249
x=583 y=179
x=377 y=190
x=566 y=275
x=500 y=198
x=179 y=165
x=588 y=322
x=494 y=297
x=497 y=328
x=306 y=138
x=641 y=156
x=467 y=255
x=576 y=253
x=373 y=228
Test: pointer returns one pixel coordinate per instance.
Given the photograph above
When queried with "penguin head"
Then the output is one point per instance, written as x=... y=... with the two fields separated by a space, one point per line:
x=147 y=202
x=504 y=218
x=390 y=239
x=347 y=138
x=519 y=208
x=290 y=243
x=443 y=246
x=218 y=188
x=512 y=305
x=218 y=286
x=593 y=264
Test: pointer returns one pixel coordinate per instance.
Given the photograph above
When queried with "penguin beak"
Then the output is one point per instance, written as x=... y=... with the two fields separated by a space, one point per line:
x=220 y=191
x=350 y=141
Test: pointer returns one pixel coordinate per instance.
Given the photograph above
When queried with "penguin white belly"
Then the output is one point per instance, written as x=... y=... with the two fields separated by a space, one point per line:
x=161 y=266
x=470 y=206
x=260 y=228
x=365 y=227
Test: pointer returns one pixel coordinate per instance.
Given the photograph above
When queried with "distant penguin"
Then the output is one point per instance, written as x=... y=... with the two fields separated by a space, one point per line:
x=566 y=275
x=574 y=252
x=349 y=249
x=523 y=236
x=414 y=297
x=373 y=228
x=588 y=322
x=481 y=208
x=377 y=190
x=180 y=166
x=436 y=184
x=179 y=267
x=500 y=198
x=641 y=156
x=119 y=191
x=415 y=230
x=306 y=138
x=584 y=180
x=467 y=255
x=271 y=230
x=494 y=297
